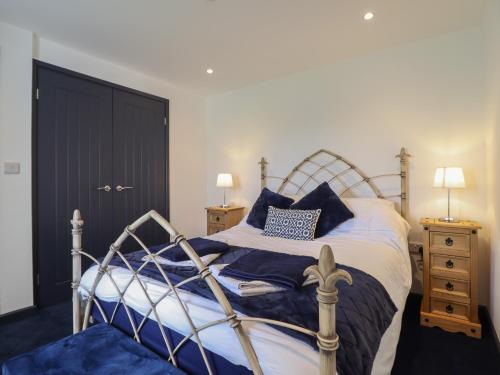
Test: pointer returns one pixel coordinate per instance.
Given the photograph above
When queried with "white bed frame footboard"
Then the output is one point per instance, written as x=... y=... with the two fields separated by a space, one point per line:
x=327 y=296
x=326 y=272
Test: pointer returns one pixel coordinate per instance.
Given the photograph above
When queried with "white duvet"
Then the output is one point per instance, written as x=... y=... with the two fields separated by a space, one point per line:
x=380 y=253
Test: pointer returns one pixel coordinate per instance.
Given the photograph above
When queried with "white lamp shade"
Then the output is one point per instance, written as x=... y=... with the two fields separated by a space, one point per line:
x=224 y=180
x=449 y=177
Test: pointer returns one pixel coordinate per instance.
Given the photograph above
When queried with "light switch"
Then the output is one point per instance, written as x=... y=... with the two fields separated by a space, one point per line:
x=11 y=167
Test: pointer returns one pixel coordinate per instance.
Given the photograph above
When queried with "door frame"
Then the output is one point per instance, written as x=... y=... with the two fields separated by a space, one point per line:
x=37 y=64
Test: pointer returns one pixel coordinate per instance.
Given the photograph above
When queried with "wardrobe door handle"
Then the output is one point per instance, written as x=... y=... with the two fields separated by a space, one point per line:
x=105 y=188
x=121 y=188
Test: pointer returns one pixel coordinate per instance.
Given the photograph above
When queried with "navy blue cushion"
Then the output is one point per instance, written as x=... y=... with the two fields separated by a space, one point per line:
x=333 y=211
x=100 y=349
x=258 y=213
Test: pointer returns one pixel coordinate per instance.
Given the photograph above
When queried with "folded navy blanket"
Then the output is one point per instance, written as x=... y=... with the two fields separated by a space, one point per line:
x=281 y=269
x=202 y=246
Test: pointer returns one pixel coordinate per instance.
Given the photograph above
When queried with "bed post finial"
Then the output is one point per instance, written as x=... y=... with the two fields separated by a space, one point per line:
x=403 y=161
x=327 y=295
x=263 y=172
x=76 y=233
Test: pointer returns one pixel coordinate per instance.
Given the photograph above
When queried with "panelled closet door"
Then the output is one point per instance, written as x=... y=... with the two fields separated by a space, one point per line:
x=100 y=148
x=139 y=164
x=73 y=160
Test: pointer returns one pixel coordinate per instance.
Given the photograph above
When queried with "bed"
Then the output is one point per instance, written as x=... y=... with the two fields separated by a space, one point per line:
x=207 y=335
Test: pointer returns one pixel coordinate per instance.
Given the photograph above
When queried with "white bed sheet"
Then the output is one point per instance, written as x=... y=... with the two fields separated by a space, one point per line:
x=384 y=255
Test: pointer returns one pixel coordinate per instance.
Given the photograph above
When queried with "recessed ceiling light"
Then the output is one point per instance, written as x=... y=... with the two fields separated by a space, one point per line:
x=368 y=16
x=210 y=71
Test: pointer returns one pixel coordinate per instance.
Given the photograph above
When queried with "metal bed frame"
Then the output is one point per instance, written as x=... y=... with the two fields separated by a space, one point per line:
x=326 y=272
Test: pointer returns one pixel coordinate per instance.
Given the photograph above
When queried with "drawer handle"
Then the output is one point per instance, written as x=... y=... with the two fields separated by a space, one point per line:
x=217 y=218
x=449 y=309
x=449 y=241
x=449 y=264
x=449 y=286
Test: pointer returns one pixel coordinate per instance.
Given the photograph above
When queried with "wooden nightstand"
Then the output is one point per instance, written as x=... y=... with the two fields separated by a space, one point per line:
x=219 y=219
x=450 y=276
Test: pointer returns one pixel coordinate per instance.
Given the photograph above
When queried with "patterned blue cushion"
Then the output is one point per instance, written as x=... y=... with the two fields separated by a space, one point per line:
x=99 y=350
x=291 y=224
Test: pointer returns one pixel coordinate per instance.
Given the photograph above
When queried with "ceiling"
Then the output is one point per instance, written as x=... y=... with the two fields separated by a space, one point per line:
x=244 y=41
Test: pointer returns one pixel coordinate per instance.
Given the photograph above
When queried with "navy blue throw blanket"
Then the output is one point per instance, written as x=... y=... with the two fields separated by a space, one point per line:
x=281 y=269
x=202 y=246
x=364 y=311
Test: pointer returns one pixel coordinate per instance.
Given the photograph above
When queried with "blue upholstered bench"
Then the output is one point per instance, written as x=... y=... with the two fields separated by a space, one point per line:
x=100 y=349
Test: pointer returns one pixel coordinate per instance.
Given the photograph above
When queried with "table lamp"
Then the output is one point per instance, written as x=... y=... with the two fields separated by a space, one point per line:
x=449 y=178
x=224 y=180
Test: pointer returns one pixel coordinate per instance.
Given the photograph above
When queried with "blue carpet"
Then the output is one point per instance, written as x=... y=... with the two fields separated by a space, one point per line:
x=421 y=351
x=432 y=351
x=44 y=326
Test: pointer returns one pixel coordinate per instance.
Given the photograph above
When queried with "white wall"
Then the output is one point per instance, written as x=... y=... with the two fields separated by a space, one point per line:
x=15 y=190
x=187 y=152
x=427 y=96
x=492 y=29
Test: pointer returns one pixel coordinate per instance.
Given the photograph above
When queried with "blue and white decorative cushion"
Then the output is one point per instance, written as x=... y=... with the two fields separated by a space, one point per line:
x=291 y=224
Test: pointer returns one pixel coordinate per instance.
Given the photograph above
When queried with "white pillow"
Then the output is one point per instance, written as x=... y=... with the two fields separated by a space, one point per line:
x=365 y=202
x=373 y=214
x=243 y=223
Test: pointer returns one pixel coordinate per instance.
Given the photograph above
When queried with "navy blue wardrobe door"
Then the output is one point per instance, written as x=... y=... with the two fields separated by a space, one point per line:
x=89 y=135
x=139 y=164
x=73 y=148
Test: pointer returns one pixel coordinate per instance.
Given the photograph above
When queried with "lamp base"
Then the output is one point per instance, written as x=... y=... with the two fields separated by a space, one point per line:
x=448 y=220
x=223 y=205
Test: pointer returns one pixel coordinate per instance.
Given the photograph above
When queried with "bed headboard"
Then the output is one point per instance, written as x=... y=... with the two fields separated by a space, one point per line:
x=344 y=178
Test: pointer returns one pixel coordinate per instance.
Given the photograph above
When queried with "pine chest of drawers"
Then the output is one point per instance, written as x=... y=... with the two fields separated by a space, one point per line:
x=450 y=276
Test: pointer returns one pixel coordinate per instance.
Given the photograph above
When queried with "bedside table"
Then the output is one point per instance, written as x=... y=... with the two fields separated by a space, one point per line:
x=219 y=219
x=450 y=276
